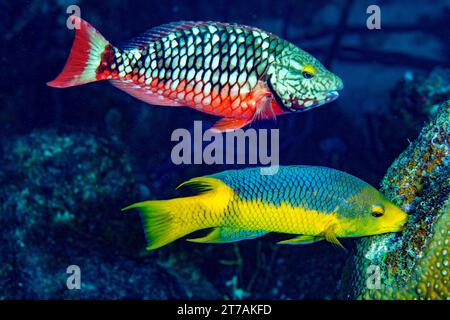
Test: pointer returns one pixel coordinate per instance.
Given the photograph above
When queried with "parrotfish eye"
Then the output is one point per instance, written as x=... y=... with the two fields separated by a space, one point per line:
x=308 y=72
x=307 y=75
x=377 y=210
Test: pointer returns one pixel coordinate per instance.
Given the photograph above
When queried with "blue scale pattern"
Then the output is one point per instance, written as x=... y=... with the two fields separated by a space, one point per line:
x=311 y=187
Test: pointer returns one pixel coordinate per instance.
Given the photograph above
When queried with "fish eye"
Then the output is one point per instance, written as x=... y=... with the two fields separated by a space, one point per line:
x=307 y=75
x=377 y=210
x=308 y=72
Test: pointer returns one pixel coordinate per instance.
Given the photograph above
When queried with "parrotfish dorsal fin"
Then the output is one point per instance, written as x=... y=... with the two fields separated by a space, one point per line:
x=226 y=235
x=143 y=39
x=302 y=239
x=155 y=33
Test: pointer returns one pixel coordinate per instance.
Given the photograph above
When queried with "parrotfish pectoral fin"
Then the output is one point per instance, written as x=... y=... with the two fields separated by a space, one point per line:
x=263 y=101
x=229 y=124
x=227 y=235
x=302 y=239
x=264 y=109
x=330 y=236
x=143 y=94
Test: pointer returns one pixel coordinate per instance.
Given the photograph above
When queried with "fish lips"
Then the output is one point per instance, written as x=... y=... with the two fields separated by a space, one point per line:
x=301 y=104
x=397 y=227
x=331 y=96
x=403 y=224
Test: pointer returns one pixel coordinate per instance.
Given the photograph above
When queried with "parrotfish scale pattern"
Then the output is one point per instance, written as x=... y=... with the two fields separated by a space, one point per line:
x=212 y=67
x=312 y=188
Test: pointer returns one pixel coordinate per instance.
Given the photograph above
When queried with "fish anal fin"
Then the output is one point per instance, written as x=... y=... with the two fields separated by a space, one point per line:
x=302 y=239
x=143 y=94
x=229 y=124
x=227 y=235
x=330 y=236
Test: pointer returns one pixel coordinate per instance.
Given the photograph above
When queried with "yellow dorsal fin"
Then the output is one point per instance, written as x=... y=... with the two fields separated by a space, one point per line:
x=202 y=184
x=302 y=239
x=330 y=236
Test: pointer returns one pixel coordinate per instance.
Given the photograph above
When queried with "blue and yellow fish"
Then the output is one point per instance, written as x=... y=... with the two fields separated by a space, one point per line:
x=313 y=203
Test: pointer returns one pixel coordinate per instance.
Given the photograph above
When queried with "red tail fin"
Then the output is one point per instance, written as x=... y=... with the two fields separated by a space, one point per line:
x=84 y=59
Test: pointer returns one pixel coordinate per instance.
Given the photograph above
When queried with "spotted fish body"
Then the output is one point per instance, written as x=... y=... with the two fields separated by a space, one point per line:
x=237 y=72
x=314 y=203
x=210 y=67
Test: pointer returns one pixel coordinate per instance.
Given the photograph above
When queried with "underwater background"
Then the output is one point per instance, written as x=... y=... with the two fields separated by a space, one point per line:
x=71 y=159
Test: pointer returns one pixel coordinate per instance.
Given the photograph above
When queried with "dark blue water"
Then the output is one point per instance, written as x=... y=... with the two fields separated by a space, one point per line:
x=70 y=159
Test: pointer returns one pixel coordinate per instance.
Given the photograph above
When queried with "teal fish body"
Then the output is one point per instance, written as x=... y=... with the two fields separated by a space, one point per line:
x=337 y=200
x=310 y=187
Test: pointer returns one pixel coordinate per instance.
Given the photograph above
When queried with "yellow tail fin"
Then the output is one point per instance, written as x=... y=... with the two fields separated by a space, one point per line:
x=160 y=224
x=168 y=220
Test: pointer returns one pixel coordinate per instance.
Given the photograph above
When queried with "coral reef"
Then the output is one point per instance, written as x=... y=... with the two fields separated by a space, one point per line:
x=60 y=198
x=413 y=264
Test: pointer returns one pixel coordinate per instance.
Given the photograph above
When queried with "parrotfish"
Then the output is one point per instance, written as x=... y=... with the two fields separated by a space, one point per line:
x=237 y=72
x=312 y=203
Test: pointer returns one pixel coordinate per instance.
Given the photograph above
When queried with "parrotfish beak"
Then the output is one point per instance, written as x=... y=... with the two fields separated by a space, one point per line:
x=303 y=104
x=300 y=105
x=331 y=96
x=334 y=94
x=402 y=217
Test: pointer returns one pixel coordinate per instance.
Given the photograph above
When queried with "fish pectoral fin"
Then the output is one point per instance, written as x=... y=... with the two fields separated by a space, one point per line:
x=302 y=239
x=263 y=102
x=229 y=124
x=227 y=235
x=264 y=109
x=330 y=236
